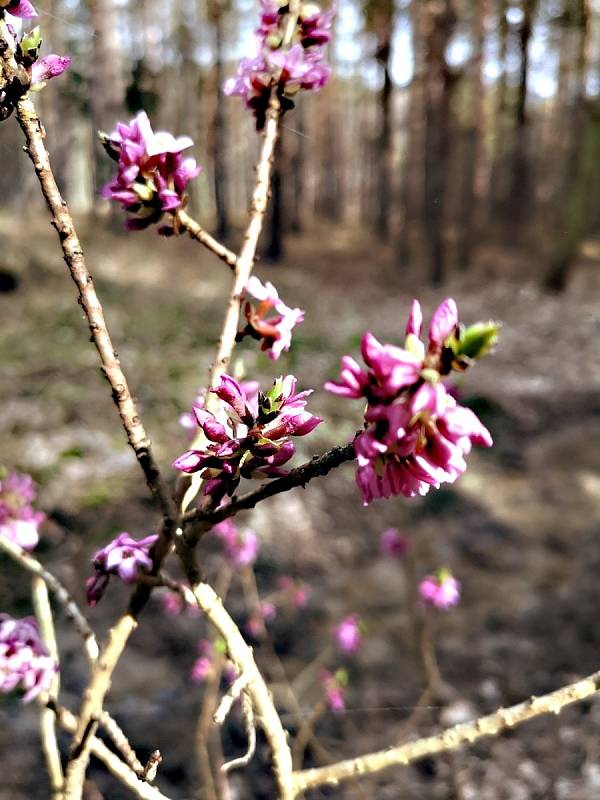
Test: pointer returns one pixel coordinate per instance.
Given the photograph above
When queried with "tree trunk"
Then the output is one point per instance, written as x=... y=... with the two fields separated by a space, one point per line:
x=438 y=87
x=107 y=79
x=219 y=133
x=384 y=200
x=274 y=249
x=472 y=139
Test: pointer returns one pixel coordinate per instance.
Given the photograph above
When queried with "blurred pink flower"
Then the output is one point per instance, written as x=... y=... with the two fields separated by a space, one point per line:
x=393 y=544
x=19 y=522
x=348 y=634
x=334 y=686
x=441 y=590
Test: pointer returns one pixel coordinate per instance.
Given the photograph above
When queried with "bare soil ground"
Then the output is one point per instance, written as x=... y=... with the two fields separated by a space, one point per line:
x=521 y=529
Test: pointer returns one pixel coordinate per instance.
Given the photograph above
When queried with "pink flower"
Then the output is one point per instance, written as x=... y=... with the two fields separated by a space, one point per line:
x=393 y=544
x=334 y=686
x=19 y=8
x=441 y=590
x=297 y=592
x=124 y=557
x=240 y=547
x=285 y=69
x=49 y=67
x=274 y=331
x=19 y=522
x=348 y=634
x=153 y=174
x=416 y=435
x=203 y=667
x=24 y=660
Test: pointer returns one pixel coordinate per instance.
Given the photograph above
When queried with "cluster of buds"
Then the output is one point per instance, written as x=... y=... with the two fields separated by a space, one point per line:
x=254 y=440
x=153 y=174
x=269 y=321
x=24 y=661
x=188 y=421
x=124 y=557
x=416 y=434
x=295 y=593
x=393 y=544
x=287 y=61
x=32 y=71
x=19 y=522
x=441 y=590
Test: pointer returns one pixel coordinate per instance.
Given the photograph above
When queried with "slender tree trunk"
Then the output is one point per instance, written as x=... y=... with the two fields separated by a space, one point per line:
x=521 y=189
x=473 y=142
x=298 y=166
x=274 y=249
x=219 y=134
x=438 y=88
x=385 y=134
x=107 y=78
x=413 y=161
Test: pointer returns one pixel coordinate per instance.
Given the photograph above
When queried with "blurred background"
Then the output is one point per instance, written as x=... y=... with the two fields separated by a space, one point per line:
x=456 y=151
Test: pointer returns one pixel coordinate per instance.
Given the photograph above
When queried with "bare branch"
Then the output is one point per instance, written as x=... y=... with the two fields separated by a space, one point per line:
x=72 y=611
x=114 y=764
x=244 y=760
x=188 y=488
x=88 y=299
x=197 y=522
x=43 y=613
x=449 y=739
x=198 y=233
x=122 y=743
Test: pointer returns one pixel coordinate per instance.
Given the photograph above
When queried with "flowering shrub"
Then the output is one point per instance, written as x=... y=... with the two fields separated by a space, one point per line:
x=415 y=436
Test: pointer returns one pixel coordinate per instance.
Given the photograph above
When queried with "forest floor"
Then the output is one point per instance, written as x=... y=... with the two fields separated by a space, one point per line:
x=521 y=529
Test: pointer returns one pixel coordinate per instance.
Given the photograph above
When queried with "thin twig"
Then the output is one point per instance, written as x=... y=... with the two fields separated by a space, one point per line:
x=188 y=488
x=72 y=610
x=243 y=761
x=228 y=699
x=449 y=739
x=114 y=764
x=122 y=743
x=196 y=521
x=43 y=613
x=243 y=660
x=88 y=299
x=197 y=232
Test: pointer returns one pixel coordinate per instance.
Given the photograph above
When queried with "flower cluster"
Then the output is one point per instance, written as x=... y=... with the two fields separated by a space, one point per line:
x=124 y=557
x=416 y=434
x=34 y=71
x=254 y=441
x=19 y=522
x=24 y=661
x=288 y=64
x=441 y=590
x=153 y=174
x=269 y=321
x=239 y=547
